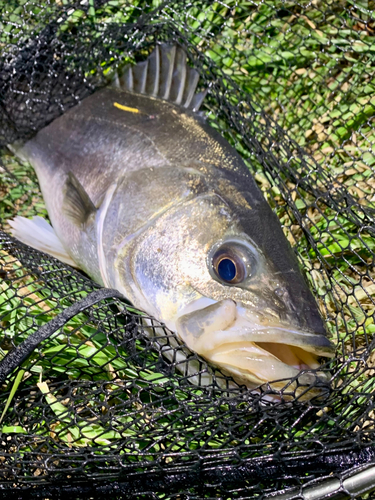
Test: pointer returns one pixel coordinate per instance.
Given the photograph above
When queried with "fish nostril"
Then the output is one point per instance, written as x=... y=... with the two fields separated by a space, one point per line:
x=281 y=298
x=280 y=292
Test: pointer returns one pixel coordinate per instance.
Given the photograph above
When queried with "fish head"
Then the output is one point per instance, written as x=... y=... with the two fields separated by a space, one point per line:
x=256 y=323
x=219 y=271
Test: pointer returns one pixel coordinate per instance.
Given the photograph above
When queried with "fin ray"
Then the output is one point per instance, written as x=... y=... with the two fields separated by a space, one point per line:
x=197 y=100
x=166 y=75
x=192 y=79
x=178 y=77
x=126 y=79
x=39 y=234
x=153 y=73
x=116 y=81
x=140 y=77
x=166 y=70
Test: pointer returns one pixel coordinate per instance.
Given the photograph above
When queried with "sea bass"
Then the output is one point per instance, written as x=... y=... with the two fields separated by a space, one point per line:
x=147 y=198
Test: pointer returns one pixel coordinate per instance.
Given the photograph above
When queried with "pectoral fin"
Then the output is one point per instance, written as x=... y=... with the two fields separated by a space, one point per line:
x=37 y=233
x=77 y=205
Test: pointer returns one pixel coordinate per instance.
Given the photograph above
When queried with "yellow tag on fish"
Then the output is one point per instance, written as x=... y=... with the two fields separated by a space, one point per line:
x=125 y=108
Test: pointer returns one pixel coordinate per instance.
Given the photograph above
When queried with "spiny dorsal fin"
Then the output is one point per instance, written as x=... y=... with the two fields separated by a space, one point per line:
x=77 y=205
x=163 y=74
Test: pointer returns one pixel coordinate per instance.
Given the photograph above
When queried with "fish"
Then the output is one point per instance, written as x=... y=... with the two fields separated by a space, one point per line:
x=147 y=198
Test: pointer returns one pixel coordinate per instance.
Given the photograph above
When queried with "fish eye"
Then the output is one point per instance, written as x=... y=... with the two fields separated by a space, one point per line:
x=232 y=263
x=227 y=269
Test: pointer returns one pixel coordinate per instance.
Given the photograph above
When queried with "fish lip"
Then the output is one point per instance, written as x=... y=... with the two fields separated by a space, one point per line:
x=306 y=386
x=317 y=344
x=301 y=382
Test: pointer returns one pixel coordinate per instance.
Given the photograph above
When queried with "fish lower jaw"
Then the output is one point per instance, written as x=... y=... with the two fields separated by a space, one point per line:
x=257 y=364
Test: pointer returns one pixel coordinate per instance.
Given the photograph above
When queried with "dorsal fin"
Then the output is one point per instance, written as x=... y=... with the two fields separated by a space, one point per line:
x=163 y=74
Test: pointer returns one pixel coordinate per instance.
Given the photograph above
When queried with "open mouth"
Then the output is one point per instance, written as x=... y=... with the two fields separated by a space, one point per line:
x=254 y=351
x=264 y=362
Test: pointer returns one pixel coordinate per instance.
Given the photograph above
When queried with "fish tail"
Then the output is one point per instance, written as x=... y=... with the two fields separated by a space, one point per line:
x=164 y=74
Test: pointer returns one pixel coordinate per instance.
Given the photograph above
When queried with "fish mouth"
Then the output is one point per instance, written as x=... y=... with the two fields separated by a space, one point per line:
x=254 y=350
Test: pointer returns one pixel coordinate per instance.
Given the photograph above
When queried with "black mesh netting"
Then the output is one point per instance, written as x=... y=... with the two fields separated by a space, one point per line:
x=91 y=403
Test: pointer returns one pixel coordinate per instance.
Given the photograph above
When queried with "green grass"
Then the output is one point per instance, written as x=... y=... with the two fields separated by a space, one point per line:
x=308 y=69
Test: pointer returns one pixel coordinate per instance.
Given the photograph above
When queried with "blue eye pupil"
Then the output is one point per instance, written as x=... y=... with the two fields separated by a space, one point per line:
x=226 y=270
